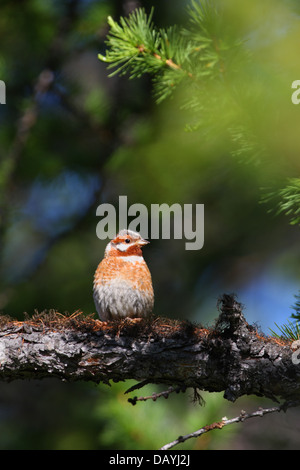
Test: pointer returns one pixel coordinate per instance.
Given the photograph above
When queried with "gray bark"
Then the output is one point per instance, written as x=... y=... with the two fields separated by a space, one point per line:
x=232 y=356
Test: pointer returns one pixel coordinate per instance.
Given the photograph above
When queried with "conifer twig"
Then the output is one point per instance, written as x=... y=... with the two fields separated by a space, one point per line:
x=260 y=412
x=154 y=396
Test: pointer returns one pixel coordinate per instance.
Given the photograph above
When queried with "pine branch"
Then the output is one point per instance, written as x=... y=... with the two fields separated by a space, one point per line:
x=286 y=200
x=289 y=331
x=232 y=356
x=135 y=46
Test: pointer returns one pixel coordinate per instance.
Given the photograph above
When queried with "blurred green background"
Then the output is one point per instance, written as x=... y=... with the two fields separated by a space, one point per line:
x=71 y=138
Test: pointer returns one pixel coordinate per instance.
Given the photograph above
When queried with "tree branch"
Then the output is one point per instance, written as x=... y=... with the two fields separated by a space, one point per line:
x=225 y=422
x=232 y=356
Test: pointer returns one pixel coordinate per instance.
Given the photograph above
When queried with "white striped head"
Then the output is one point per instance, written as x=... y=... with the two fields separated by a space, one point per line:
x=126 y=243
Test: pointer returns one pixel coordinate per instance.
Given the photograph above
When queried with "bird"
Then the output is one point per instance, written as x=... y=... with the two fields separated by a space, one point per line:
x=122 y=284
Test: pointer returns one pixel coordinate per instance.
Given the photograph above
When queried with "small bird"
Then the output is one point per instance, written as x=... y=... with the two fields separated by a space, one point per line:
x=122 y=282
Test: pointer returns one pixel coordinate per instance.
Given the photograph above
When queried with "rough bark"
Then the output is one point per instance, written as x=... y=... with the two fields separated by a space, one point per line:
x=232 y=356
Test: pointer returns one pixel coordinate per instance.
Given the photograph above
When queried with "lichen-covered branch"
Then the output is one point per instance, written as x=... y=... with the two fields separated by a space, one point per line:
x=232 y=356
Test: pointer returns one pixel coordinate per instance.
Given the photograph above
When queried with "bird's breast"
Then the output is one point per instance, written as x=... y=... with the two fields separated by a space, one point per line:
x=130 y=269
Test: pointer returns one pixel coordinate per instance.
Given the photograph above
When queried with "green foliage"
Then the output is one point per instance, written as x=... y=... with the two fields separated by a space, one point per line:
x=296 y=307
x=211 y=62
x=289 y=331
x=133 y=44
x=136 y=47
x=206 y=58
x=286 y=200
x=212 y=37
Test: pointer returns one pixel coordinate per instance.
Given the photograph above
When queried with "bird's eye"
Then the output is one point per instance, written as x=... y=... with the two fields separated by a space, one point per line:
x=127 y=240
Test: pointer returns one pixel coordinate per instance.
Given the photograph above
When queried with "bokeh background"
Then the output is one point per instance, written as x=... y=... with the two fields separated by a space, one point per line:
x=72 y=138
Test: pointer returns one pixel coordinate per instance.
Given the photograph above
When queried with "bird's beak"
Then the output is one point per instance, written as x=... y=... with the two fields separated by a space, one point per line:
x=143 y=242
